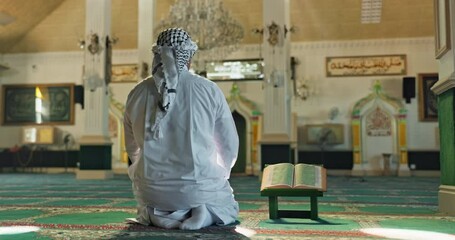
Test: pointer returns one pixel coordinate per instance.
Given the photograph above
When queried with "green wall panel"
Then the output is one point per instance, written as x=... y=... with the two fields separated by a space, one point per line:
x=95 y=157
x=446 y=115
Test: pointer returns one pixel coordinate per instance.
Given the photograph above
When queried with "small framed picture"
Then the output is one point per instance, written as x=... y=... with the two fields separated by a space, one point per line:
x=122 y=73
x=428 y=101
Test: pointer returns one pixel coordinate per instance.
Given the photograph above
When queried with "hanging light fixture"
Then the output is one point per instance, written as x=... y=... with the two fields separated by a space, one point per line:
x=303 y=89
x=371 y=11
x=216 y=33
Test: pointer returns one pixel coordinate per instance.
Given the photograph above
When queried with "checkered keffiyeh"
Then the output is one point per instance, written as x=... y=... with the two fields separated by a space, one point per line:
x=172 y=53
x=172 y=37
x=180 y=41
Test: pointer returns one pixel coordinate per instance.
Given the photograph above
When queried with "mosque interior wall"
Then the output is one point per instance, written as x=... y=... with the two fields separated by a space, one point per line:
x=326 y=92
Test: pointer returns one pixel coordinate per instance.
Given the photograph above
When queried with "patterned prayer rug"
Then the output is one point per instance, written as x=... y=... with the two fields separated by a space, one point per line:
x=57 y=206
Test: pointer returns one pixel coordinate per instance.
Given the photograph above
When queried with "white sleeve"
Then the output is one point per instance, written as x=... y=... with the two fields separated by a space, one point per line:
x=132 y=148
x=226 y=137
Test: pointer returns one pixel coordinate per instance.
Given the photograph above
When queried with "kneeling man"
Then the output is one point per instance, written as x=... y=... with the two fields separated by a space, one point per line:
x=182 y=142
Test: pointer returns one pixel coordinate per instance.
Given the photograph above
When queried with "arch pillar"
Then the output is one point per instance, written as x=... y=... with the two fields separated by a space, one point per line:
x=249 y=111
x=361 y=166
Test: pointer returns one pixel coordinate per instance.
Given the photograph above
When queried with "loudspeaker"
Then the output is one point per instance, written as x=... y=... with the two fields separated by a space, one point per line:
x=79 y=95
x=409 y=88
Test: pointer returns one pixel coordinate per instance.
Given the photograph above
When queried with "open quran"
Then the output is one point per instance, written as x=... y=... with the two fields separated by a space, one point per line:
x=301 y=176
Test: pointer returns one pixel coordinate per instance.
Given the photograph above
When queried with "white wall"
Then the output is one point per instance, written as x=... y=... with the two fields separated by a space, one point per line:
x=344 y=92
x=43 y=68
x=341 y=92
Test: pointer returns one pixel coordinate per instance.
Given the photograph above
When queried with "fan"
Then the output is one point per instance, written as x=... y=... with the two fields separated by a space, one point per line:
x=68 y=141
x=326 y=136
x=333 y=113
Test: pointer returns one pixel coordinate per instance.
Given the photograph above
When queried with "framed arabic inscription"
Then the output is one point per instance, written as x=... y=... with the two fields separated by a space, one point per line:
x=30 y=104
x=378 y=65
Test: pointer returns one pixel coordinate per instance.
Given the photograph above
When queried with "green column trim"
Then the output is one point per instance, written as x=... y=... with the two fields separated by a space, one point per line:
x=95 y=157
x=446 y=116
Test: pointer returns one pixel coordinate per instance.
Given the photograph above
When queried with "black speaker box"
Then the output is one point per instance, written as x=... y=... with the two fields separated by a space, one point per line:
x=79 y=95
x=409 y=88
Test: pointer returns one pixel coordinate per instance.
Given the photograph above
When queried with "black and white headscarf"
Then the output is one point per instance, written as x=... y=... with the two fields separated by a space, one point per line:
x=172 y=53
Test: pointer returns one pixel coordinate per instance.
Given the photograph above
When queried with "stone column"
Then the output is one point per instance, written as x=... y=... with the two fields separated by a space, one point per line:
x=276 y=138
x=145 y=38
x=95 y=145
x=445 y=89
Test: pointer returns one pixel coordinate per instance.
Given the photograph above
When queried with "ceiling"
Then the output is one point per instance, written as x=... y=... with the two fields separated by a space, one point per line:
x=26 y=15
x=315 y=20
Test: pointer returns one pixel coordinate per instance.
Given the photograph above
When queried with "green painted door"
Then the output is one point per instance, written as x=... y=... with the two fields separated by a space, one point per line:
x=240 y=124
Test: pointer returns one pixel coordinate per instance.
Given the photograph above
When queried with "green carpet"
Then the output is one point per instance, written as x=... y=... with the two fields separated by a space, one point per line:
x=65 y=208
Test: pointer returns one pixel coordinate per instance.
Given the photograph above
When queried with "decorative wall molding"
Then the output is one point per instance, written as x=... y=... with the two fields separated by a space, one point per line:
x=255 y=49
x=362 y=43
x=444 y=84
x=58 y=57
x=133 y=53
x=245 y=49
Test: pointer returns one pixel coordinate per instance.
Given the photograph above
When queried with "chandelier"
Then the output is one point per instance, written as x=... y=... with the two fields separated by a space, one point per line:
x=212 y=28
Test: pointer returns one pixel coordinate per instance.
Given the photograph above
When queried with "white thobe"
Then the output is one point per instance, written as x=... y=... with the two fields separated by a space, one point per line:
x=189 y=165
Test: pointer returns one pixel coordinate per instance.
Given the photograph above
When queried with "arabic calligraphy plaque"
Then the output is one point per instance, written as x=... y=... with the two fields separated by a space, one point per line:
x=38 y=104
x=366 y=65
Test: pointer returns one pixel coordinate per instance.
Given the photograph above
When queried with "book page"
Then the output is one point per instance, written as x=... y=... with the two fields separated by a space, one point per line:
x=279 y=175
x=310 y=176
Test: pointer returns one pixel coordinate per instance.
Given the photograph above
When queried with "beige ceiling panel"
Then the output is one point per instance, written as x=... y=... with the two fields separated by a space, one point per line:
x=57 y=25
x=27 y=15
x=125 y=23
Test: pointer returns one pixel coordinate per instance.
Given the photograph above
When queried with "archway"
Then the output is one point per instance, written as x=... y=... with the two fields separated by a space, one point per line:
x=379 y=135
x=240 y=124
x=247 y=118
